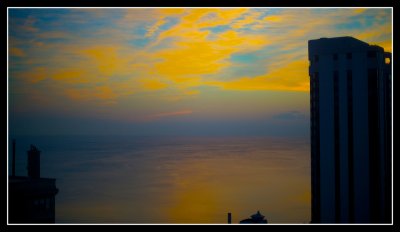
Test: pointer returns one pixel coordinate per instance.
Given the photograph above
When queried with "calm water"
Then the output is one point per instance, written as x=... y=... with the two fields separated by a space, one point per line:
x=174 y=180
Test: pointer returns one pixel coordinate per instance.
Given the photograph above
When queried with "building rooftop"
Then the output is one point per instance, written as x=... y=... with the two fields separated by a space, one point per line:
x=22 y=185
x=342 y=44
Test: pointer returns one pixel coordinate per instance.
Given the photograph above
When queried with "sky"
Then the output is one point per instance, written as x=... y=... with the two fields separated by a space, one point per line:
x=171 y=71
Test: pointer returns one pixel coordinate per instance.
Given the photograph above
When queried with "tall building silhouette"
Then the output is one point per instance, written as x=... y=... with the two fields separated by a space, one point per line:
x=31 y=198
x=350 y=91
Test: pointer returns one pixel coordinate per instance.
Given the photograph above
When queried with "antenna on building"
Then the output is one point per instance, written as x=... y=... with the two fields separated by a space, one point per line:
x=34 y=162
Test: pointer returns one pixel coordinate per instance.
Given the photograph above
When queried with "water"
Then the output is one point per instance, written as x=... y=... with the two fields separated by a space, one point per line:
x=174 y=180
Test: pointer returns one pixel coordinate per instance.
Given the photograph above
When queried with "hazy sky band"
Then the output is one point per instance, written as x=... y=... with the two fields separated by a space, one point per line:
x=182 y=65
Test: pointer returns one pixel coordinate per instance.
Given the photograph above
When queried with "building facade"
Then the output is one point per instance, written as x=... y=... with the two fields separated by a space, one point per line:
x=350 y=102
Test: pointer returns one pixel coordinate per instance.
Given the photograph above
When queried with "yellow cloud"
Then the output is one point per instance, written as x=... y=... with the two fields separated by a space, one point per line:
x=191 y=58
x=194 y=15
x=292 y=77
x=360 y=10
x=106 y=59
x=196 y=19
x=152 y=84
x=273 y=18
x=193 y=52
x=151 y=30
x=194 y=55
x=222 y=17
x=192 y=92
x=249 y=19
x=386 y=45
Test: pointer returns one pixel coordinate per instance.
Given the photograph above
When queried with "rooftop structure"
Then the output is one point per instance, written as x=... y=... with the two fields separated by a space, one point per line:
x=31 y=198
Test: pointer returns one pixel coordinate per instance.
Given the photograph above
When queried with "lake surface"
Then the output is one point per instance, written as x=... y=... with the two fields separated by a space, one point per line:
x=122 y=179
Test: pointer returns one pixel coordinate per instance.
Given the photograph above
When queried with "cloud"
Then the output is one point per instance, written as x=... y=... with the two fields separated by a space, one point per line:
x=70 y=76
x=251 y=18
x=291 y=77
x=158 y=116
x=273 y=18
x=104 y=93
x=290 y=116
x=152 y=84
x=28 y=25
x=175 y=53
x=38 y=74
x=14 y=51
x=151 y=30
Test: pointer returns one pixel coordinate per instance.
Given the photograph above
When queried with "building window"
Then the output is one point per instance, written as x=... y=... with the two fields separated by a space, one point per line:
x=349 y=56
x=335 y=56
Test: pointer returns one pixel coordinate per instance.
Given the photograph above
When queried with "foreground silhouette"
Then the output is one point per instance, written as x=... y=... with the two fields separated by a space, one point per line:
x=31 y=198
x=350 y=91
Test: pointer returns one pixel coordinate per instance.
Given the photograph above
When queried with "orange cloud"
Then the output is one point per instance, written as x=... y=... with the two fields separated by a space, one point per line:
x=34 y=75
x=38 y=74
x=104 y=93
x=14 y=51
x=71 y=76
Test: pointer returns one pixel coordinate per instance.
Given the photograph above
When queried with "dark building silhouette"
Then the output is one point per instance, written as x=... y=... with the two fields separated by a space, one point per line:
x=31 y=198
x=254 y=219
x=229 y=218
x=350 y=91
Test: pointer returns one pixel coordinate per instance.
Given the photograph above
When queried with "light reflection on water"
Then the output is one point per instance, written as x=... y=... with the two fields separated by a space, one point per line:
x=175 y=180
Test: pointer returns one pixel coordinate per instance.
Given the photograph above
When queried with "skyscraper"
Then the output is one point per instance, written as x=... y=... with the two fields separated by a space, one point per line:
x=350 y=91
